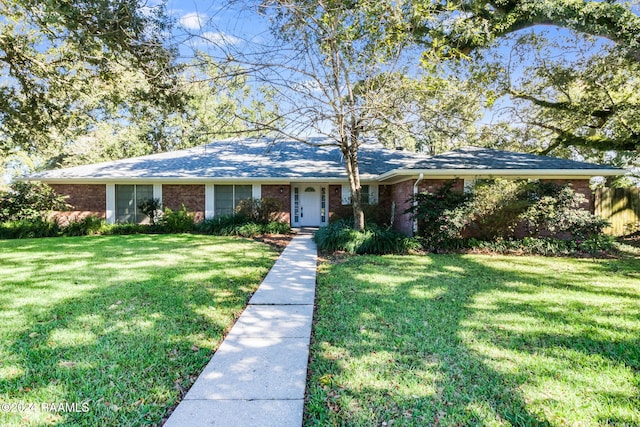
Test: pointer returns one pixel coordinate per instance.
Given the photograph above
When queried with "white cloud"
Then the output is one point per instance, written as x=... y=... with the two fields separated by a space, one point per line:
x=193 y=21
x=220 y=38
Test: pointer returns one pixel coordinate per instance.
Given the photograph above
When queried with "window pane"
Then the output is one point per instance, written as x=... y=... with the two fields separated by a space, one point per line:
x=243 y=192
x=143 y=192
x=364 y=194
x=296 y=204
x=125 y=203
x=223 y=200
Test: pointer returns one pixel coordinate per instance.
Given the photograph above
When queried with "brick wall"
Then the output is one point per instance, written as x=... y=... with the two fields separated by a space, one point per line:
x=273 y=192
x=192 y=196
x=402 y=192
x=336 y=208
x=433 y=185
x=85 y=199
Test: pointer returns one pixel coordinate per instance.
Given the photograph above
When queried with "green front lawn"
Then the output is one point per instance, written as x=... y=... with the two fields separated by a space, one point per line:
x=121 y=324
x=476 y=340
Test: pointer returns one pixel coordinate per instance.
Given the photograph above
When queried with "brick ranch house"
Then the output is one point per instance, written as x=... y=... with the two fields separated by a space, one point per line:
x=310 y=182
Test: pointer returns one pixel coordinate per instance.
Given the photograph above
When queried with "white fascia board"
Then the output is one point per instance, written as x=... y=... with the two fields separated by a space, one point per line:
x=399 y=174
x=141 y=180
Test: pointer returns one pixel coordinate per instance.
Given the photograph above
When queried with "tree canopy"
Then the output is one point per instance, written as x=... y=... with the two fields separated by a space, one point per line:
x=584 y=98
x=66 y=66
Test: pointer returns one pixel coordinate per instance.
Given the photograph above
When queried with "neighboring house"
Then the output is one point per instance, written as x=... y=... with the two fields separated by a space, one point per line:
x=309 y=181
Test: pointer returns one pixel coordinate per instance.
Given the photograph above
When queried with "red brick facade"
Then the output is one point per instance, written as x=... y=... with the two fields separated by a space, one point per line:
x=402 y=193
x=284 y=197
x=90 y=199
x=192 y=196
x=85 y=200
x=336 y=208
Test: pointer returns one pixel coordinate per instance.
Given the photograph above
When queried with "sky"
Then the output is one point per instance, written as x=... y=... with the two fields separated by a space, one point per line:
x=206 y=24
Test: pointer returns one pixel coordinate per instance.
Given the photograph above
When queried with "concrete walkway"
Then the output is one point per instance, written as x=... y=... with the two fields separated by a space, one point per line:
x=258 y=375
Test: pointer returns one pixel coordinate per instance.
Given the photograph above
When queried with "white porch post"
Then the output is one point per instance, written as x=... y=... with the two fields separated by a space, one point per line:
x=111 y=204
x=209 y=207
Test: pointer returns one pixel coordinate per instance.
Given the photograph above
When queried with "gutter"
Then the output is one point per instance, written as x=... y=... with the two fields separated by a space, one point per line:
x=415 y=202
x=519 y=173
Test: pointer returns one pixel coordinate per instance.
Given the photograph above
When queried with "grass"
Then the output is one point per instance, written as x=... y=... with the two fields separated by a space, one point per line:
x=121 y=324
x=457 y=340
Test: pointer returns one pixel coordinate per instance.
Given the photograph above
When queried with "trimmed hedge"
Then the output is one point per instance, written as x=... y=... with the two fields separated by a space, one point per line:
x=171 y=222
x=240 y=225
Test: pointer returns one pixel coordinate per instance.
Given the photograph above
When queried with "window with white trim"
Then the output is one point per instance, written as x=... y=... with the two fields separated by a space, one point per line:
x=227 y=197
x=364 y=194
x=128 y=198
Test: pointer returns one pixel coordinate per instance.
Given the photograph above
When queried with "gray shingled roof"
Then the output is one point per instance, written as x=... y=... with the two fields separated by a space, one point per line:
x=269 y=159
x=485 y=158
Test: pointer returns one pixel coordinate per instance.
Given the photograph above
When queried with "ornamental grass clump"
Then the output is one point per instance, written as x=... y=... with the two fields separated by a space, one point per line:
x=339 y=236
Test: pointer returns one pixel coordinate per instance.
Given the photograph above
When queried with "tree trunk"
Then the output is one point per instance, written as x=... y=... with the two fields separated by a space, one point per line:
x=353 y=172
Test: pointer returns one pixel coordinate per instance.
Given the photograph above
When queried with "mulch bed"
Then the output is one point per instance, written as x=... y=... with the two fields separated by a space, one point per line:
x=276 y=241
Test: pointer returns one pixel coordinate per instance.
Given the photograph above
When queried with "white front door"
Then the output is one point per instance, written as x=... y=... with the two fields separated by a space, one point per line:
x=309 y=206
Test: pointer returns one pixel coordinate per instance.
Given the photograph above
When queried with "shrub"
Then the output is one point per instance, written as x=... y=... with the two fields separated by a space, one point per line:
x=436 y=216
x=223 y=225
x=151 y=208
x=124 y=229
x=547 y=246
x=557 y=209
x=277 y=227
x=86 y=226
x=496 y=208
x=250 y=229
x=29 y=228
x=241 y=225
x=338 y=236
x=29 y=200
x=261 y=211
x=179 y=221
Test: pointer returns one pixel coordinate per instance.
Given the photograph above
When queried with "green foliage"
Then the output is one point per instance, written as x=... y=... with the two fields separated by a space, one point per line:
x=172 y=222
x=222 y=225
x=240 y=225
x=339 y=236
x=69 y=67
x=29 y=200
x=180 y=221
x=594 y=245
x=501 y=209
x=260 y=211
x=151 y=208
x=557 y=209
x=277 y=227
x=86 y=226
x=127 y=228
x=434 y=213
x=29 y=228
x=42 y=227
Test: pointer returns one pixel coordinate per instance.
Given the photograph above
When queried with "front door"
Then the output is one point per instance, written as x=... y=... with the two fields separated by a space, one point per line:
x=309 y=206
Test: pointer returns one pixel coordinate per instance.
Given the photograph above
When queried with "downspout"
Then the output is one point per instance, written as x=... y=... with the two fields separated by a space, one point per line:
x=415 y=201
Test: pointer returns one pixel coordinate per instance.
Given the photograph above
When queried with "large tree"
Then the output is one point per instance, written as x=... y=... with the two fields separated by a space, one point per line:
x=345 y=70
x=67 y=66
x=583 y=99
x=471 y=24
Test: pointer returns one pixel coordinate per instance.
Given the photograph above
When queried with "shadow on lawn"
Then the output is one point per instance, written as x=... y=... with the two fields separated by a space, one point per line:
x=437 y=328
x=130 y=344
